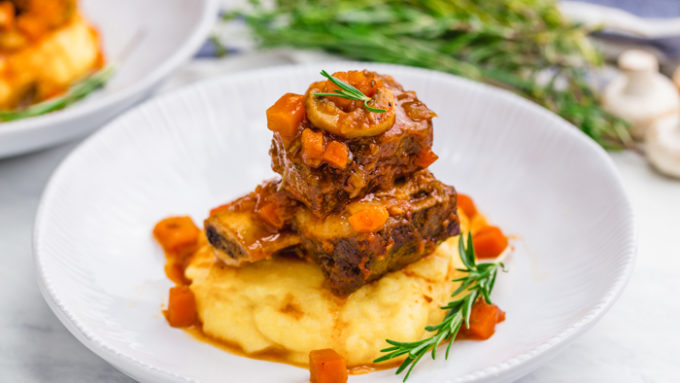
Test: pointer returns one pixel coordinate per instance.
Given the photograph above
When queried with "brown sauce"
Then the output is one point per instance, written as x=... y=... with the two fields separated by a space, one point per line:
x=276 y=356
x=177 y=261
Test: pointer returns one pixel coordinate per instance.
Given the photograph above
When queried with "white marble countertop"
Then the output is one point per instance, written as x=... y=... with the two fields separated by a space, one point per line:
x=637 y=341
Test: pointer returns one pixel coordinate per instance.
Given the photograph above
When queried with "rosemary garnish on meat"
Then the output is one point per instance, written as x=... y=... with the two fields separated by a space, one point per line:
x=477 y=282
x=75 y=93
x=348 y=91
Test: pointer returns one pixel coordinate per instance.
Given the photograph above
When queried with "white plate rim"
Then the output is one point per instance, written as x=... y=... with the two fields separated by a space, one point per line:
x=515 y=366
x=79 y=110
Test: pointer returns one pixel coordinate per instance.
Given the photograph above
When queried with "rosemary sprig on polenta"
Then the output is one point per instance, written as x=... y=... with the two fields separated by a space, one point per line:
x=477 y=284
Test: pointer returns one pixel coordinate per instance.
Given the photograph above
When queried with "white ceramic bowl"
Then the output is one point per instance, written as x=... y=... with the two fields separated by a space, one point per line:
x=148 y=39
x=532 y=173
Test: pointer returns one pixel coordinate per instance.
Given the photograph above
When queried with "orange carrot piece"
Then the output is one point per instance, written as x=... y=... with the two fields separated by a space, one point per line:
x=286 y=115
x=483 y=319
x=489 y=242
x=369 y=219
x=6 y=15
x=336 y=154
x=181 y=310
x=312 y=147
x=176 y=234
x=466 y=204
x=426 y=158
x=31 y=26
x=174 y=270
x=327 y=366
x=367 y=85
x=270 y=214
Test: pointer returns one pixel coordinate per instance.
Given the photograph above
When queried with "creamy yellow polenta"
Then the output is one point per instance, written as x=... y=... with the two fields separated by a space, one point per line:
x=49 y=66
x=281 y=305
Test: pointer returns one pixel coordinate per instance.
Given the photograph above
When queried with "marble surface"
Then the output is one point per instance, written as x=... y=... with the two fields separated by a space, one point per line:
x=637 y=341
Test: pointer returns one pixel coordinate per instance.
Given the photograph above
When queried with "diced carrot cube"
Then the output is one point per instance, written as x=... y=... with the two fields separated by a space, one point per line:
x=336 y=154
x=483 y=319
x=181 y=310
x=366 y=85
x=6 y=15
x=358 y=79
x=175 y=234
x=426 y=158
x=327 y=366
x=31 y=26
x=174 y=270
x=312 y=147
x=466 y=204
x=369 y=219
x=489 y=242
x=270 y=214
x=286 y=115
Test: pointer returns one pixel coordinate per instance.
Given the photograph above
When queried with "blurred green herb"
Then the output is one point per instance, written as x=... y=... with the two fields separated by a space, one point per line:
x=525 y=46
x=476 y=283
x=220 y=49
x=75 y=93
x=349 y=92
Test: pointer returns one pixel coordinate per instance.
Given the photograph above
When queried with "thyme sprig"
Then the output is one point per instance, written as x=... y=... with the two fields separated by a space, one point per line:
x=477 y=282
x=349 y=92
x=75 y=93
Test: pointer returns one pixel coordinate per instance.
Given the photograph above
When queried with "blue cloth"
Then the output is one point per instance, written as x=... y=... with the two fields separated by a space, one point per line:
x=643 y=8
x=670 y=46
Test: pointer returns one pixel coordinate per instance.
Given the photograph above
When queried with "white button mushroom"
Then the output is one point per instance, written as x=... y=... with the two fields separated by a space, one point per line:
x=641 y=94
x=663 y=145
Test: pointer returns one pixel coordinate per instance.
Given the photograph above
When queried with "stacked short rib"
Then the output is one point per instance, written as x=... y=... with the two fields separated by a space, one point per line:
x=337 y=161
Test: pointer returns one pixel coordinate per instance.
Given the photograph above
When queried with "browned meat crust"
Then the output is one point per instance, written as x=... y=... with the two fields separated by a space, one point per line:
x=422 y=213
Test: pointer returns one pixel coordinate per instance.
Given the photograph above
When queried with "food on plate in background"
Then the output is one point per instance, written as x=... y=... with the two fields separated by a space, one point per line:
x=352 y=259
x=46 y=46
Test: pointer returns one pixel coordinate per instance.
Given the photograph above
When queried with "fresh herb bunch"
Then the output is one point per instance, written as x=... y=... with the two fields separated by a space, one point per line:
x=524 y=46
x=349 y=92
x=75 y=93
x=477 y=282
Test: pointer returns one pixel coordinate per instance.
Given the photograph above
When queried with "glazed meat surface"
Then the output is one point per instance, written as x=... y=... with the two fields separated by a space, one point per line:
x=373 y=162
x=253 y=227
x=420 y=213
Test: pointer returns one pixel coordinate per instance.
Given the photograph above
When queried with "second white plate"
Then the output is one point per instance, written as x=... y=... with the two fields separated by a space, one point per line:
x=146 y=39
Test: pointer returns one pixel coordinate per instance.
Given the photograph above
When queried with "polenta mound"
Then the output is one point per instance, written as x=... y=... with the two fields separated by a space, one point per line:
x=280 y=307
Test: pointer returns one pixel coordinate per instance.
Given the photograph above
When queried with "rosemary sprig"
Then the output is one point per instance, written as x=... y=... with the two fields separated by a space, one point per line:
x=524 y=46
x=349 y=92
x=75 y=93
x=477 y=282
